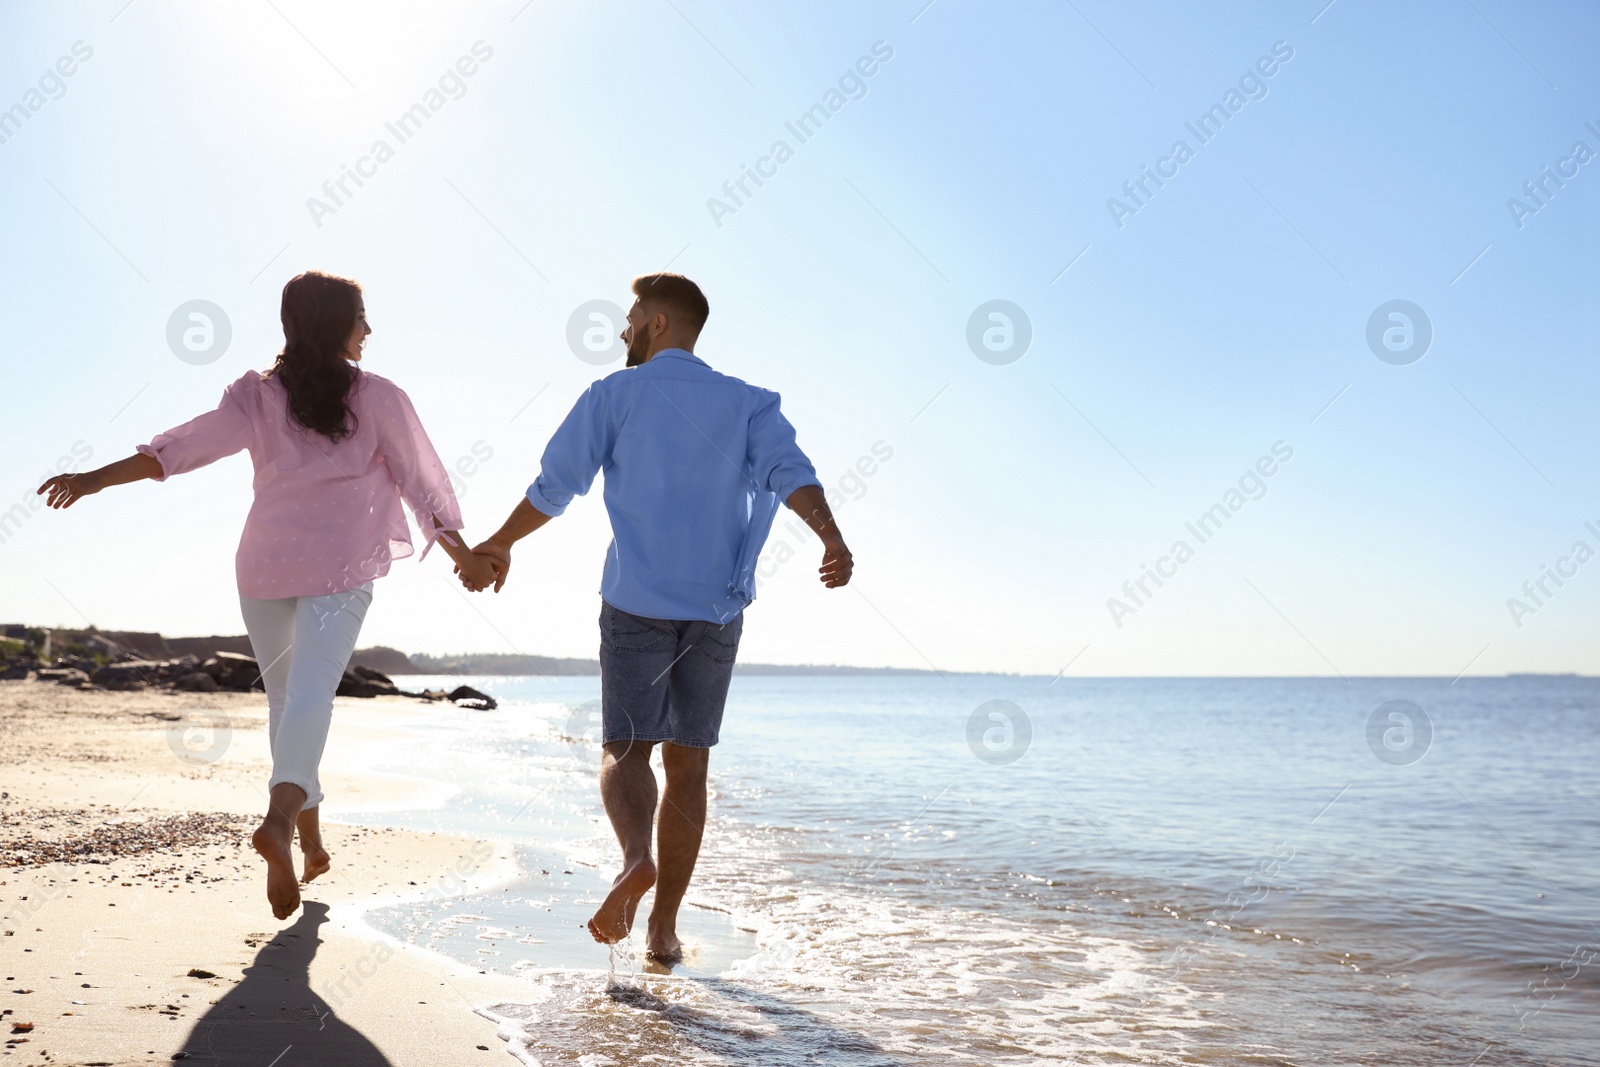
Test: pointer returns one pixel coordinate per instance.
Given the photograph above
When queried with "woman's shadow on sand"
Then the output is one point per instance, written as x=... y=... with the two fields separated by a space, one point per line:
x=274 y=1010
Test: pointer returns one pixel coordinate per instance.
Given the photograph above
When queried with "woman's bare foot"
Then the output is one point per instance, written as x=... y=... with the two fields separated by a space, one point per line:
x=308 y=825
x=273 y=844
x=316 y=862
x=614 y=918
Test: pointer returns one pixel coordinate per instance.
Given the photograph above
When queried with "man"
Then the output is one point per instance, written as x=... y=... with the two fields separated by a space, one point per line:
x=695 y=464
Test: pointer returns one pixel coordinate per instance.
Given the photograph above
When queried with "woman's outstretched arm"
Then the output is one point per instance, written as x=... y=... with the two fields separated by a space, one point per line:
x=202 y=440
x=65 y=489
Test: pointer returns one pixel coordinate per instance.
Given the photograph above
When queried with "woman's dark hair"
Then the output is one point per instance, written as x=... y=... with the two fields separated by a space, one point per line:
x=319 y=314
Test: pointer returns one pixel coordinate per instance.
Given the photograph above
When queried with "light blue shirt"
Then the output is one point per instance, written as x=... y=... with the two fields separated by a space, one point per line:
x=696 y=464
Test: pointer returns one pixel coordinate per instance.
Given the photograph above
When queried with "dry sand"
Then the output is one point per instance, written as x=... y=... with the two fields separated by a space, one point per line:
x=134 y=926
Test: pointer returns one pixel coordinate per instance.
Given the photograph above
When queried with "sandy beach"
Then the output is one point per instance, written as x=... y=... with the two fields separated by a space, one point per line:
x=135 y=925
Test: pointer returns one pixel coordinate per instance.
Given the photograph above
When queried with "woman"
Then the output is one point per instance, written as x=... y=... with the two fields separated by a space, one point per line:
x=335 y=450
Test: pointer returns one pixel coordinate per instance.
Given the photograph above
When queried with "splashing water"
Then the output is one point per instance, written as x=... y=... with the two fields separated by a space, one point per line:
x=618 y=990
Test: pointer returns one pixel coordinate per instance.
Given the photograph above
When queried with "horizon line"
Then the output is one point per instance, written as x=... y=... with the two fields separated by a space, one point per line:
x=879 y=670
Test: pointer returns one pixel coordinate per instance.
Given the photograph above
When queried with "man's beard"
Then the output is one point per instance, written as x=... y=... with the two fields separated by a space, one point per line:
x=637 y=351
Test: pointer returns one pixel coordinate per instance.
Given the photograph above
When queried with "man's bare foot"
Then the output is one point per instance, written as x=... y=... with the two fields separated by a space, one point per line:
x=663 y=947
x=614 y=919
x=316 y=862
x=282 y=892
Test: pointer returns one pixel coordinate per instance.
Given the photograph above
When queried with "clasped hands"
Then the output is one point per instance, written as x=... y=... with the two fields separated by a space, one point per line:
x=488 y=565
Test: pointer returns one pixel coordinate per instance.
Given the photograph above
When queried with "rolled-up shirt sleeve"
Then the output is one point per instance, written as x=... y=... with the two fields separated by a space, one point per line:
x=202 y=440
x=776 y=462
x=422 y=479
x=575 y=454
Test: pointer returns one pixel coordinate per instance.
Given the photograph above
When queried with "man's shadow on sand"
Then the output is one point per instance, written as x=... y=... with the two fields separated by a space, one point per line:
x=274 y=1010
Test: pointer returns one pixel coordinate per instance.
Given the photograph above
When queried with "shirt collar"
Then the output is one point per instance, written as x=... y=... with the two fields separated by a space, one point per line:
x=678 y=353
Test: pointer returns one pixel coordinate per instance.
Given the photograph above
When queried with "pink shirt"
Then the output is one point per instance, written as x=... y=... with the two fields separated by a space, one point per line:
x=326 y=516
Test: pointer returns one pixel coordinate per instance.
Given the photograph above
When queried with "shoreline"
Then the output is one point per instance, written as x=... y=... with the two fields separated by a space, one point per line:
x=145 y=936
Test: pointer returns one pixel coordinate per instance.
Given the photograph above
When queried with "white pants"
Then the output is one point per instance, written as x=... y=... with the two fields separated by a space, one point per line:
x=303 y=645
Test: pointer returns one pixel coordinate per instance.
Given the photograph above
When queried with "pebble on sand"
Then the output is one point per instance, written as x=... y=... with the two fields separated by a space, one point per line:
x=97 y=833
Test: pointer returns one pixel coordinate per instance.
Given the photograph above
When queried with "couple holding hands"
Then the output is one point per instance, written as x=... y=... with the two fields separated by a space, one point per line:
x=696 y=464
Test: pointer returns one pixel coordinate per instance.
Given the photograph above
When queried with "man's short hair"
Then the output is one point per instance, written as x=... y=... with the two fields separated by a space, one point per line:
x=683 y=300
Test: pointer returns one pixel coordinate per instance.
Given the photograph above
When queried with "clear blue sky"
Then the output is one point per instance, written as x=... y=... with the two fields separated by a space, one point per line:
x=1221 y=317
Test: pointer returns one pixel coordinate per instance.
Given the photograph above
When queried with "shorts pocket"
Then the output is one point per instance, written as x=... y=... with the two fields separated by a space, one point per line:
x=634 y=633
x=721 y=643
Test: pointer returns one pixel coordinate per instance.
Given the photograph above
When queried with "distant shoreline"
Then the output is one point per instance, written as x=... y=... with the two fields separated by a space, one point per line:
x=150 y=645
x=391 y=661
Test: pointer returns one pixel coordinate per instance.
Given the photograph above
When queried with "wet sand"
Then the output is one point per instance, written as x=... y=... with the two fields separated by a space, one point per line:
x=134 y=926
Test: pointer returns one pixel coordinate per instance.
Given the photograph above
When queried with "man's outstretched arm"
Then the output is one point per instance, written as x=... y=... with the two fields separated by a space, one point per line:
x=567 y=469
x=809 y=503
x=523 y=520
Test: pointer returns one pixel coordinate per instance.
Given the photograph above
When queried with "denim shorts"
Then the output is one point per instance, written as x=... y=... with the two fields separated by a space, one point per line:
x=664 y=679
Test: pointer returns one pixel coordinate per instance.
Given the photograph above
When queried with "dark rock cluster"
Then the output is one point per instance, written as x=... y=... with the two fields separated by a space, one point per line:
x=225 y=670
x=215 y=673
x=361 y=681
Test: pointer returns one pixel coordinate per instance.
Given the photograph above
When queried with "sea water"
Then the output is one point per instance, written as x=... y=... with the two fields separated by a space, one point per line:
x=1147 y=871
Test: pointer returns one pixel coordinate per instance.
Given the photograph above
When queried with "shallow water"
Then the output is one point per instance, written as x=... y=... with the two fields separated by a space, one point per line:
x=1173 y=871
